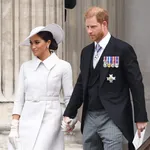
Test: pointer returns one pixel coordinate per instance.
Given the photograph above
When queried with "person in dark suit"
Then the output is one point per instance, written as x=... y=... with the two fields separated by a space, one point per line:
x=109 y=72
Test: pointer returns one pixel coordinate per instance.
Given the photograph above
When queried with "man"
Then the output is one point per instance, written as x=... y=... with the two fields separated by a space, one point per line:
x=109 y=71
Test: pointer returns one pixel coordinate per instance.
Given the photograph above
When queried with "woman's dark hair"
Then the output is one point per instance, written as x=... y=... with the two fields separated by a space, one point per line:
x=45 y=35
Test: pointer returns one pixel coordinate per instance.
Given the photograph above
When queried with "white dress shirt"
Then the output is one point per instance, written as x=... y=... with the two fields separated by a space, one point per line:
x=103 y=43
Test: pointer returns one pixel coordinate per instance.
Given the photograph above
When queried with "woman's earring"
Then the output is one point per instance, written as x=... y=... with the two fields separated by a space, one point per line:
x=52 y=51
x=48 y=47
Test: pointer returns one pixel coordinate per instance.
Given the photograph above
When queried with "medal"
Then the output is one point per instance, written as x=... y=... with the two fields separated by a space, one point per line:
x=104 y=62
x=111 y=78
x=109 y=62
x=113 y=62
x=116 y=61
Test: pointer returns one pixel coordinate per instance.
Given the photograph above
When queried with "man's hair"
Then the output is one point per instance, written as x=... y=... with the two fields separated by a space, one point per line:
x=100 y=14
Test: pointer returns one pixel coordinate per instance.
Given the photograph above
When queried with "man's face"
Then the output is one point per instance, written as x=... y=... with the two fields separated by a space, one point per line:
x=94 y=29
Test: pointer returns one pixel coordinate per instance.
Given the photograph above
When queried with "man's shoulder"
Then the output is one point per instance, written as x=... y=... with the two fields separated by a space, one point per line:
x=122 y=46
x=90 y=46
x=120 y=42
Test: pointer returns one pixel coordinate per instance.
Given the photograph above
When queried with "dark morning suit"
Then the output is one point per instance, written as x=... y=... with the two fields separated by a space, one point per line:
x=115 y=97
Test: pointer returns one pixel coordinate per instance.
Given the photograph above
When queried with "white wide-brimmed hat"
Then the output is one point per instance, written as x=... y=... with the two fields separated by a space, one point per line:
x=55 y=29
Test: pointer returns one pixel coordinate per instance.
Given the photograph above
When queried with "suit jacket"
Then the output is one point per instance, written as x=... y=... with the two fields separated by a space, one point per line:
x=114 y=96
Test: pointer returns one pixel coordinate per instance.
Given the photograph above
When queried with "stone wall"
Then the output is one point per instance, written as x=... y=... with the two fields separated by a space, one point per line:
x=137 y=33
x=18 y=17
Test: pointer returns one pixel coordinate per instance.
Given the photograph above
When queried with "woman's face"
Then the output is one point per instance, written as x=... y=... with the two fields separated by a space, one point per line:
x=39 y=47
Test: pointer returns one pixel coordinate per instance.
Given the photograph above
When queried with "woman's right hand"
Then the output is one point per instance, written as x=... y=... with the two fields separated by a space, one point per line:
x=14 y=133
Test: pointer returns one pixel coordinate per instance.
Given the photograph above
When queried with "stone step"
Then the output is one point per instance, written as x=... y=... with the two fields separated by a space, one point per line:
x=73 y=147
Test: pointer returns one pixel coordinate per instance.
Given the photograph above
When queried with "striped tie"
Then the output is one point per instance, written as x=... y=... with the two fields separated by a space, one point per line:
x=97 y=49
x=96 y=55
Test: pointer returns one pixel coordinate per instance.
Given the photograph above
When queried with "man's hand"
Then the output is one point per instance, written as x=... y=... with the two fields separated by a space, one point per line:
x=68 y=124
x=14 y=134
x=140 y=127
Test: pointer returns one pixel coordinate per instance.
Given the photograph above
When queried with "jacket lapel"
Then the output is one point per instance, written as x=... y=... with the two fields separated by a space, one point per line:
x=87 y=61
x=107 y=52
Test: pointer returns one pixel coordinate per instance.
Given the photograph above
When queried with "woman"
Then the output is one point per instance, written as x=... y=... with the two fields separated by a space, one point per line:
x=36 y=123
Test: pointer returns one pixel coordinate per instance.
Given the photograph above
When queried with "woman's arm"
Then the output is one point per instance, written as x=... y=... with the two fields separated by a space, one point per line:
x=20 y=95
x=67 y=83
x=18 y=106
x=15 y=116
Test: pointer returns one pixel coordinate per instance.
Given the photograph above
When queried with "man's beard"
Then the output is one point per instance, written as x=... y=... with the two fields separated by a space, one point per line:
x=100 y=36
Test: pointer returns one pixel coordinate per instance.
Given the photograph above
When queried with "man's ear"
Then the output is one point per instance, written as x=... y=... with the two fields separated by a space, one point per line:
x=105 y=23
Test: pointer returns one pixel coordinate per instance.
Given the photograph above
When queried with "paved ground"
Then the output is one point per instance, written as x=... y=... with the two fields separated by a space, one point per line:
x=73 y=147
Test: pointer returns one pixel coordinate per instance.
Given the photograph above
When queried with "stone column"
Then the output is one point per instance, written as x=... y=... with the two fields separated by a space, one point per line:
x=16 y=21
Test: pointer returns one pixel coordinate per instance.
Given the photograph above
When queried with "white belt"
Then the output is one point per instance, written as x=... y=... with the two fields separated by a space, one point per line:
x=42 y=98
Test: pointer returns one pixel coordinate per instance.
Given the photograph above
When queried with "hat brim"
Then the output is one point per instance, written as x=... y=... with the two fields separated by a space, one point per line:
x=55 y=29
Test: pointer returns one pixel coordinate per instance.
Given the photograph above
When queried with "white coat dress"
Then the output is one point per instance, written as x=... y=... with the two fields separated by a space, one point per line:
x=37 y=102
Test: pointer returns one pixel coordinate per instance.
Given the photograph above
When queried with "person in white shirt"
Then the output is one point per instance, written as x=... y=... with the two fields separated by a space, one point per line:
x=108 y=71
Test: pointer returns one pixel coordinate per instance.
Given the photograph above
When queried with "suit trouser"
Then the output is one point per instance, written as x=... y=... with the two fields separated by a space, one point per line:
x=100 y=133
